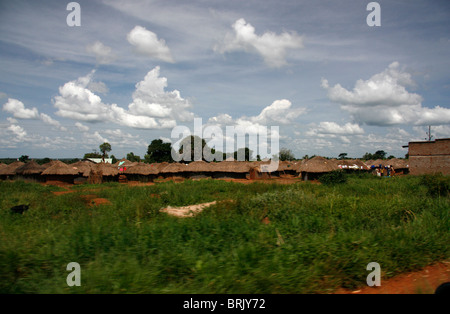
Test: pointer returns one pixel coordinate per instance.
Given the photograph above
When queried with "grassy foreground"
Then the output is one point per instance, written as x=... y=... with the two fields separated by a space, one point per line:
x=320 y=237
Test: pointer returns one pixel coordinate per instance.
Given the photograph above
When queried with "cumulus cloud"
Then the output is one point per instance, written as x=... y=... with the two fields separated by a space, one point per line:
x=152 y=107
x=76 y=101
x=151 y=99
x=332 y=128
x=50 y=121
x=280 y=112
x=98 y=87
x=103 y=54
x=272 y=47
x=18 y=110
x=81 y=127
x=147 y=43
x=384 y=100
x=19 y=132
x=277 y=113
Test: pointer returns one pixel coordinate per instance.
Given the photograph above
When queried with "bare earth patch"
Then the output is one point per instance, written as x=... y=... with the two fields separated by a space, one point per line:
x=424 y=281
x=93 y=200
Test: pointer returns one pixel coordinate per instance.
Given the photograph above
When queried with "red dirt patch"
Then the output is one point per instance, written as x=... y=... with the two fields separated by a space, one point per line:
x=93 y=200
x=424 y=281
x=63 y=192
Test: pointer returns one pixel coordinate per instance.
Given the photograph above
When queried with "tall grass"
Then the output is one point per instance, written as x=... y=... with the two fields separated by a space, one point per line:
x=319 y=237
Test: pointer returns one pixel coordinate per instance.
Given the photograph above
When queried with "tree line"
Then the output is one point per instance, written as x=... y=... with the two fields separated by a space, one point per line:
x=158 y=151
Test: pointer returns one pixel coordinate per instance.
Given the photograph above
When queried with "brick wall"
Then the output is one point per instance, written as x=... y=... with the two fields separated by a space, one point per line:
x=429 y=157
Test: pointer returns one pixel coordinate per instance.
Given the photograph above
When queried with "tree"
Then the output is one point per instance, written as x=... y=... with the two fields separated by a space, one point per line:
x=367 y=156
x=104 y=148
x=243 y=153
x=342 y=155
x=94 y=154
x=24 y=158
x=191 y=149
x=114 y=159
x=158 y=152
x=379 y=154
x=132 y=157
x=286 y=154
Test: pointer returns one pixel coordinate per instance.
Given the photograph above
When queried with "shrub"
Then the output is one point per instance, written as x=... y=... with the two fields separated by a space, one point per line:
x=437 y=184
x=334 y=177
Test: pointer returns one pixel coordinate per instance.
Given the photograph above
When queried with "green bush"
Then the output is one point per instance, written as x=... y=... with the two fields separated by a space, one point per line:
x=437 y=184
x=334 y=177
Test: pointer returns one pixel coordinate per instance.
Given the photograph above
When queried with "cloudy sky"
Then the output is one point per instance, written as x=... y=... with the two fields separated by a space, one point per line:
x=134 y=70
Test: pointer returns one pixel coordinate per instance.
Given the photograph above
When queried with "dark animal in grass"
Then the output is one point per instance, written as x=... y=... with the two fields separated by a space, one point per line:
x=443 y=289
x=19 y=209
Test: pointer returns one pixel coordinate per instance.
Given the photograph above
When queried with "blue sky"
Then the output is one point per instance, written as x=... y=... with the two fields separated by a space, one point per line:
x=134 y=70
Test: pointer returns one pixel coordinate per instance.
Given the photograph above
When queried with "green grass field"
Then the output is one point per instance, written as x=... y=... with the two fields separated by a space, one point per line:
x=320 y=237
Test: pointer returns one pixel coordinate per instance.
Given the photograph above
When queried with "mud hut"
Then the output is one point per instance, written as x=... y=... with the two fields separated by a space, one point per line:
x=141 y=172
x=30 y=171
x=108 y=172
x=313 y=168
x=9 y=171
x=232 y=170
x=175 y=171
x=60 y=172
x=83 y=168
x=200 y=169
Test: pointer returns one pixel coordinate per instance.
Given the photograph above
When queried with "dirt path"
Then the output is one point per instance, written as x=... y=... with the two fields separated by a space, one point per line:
x=424 y=281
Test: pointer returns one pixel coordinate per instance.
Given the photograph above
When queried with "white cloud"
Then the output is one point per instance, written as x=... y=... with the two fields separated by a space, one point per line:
x=152 y=106
x=221 y=120
x=98 y=87
x=279 y=112
x=333 y=128
x=147 y=43
x=50 y=121
x=270 y=46
x=12 y=120
x=151 y=99
x=82 y=127
x=384 y=100
x=19 y=132
x=103 y=54
x=77 y=102
x=18 y=110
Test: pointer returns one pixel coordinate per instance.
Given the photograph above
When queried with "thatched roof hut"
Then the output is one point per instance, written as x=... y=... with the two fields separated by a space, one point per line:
x=10 y=169
x=201 y=166
x=83 y=167
x=399 y=163
x=318 y=164
x=30 y=168
x=142 y=169
x=2 y=165
x=59 y=169
x=173 y=168
x=106 y=169
x=233 y=167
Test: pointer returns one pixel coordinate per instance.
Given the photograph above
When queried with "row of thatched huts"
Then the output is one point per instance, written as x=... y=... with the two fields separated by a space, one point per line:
x=86 y=171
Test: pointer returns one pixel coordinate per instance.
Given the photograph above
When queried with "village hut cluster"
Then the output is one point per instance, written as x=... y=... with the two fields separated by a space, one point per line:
x=124 y=170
